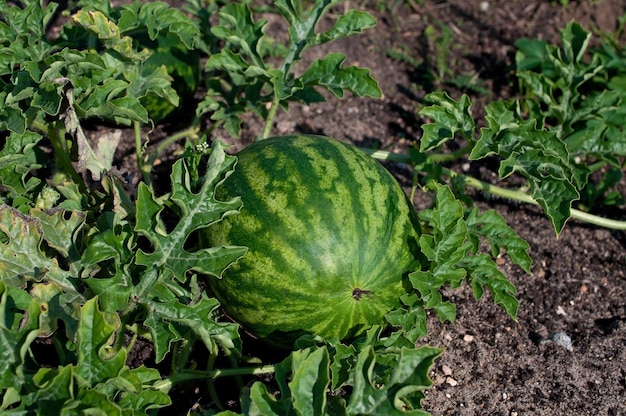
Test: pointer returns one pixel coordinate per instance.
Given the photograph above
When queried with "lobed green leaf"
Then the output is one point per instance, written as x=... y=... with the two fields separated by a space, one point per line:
x=99 y=380
x=22 y=256
x=493 y=227
x=409 y=375
x=18 y=158
x=351 y=23
x=19 y=327
x=197 y=210
x=449 y=117
x=170 y=313
x=451 y=242
x=173 y=321
x=328 y=73
x=483 y=272
x=304 y=394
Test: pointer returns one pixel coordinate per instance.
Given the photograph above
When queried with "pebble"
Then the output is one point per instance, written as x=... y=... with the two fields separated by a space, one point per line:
x=468 y=338
x=446 y=370
x=559 y=338
x=451 y=381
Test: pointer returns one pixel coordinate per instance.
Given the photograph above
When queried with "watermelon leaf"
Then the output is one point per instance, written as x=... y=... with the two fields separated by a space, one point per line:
x=244 y=60
x=23 y=260
x=409 y=320
x=451 y=242
x=99 y=374
x=173 y=321
x=444 y=247
x=483 y=272
x=169 y=258
x=305 y=392
x=19 y=158
x=19 y=326
x=197 y=210
x=328 y=73
x=408 y=377
x=387 y=381
x=351 y=23
x=448 y=117
x=493 y=227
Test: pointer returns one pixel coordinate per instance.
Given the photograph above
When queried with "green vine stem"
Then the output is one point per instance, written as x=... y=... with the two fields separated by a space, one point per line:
x=56 y=134
x=191 y=132
x=211 y=381
x=497 y=190
x=269 y=121
x=195 y=375
x=141 y=163
x=524 y=197
x=146 y=162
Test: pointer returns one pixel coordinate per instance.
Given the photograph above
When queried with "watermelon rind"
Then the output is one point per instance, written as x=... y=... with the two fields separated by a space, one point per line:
x=331 y=238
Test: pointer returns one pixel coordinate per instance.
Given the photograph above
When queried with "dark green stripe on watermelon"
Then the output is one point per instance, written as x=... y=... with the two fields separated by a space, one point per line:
x=331 y=236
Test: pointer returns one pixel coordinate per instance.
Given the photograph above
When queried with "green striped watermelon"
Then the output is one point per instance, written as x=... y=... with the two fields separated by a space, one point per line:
x=331 y=237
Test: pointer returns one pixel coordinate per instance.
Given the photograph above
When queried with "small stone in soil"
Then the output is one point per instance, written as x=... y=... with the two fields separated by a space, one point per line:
x=559 y=338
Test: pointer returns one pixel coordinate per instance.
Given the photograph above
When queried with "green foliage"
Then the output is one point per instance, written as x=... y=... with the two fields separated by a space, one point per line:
x=382 y=380
x=451 y=242
x=577 y=95
x=135 y=64
x=251 y=76
x=166 y=300
x=95 y=378
x=90 y=260
x=564 y=128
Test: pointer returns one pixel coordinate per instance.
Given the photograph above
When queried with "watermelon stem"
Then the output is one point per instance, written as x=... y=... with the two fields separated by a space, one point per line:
x=489 y=188
x=146 y=161
x=56 y=134
x=211 y=381
x=191 y=375
x=524 y=197
x=267 y=128
x=142 y=164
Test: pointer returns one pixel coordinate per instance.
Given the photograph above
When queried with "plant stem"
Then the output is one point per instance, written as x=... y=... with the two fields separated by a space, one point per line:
x=524 y=197
x=189 y=132
x=145 y=163
x=145 y=284
x=189 y=375
x=385 y=155
x=211 y=381
x=142 y=165
x=499 y=191
x=448 y=157
x=267 y=128
x=61 y=152
x=491 y=189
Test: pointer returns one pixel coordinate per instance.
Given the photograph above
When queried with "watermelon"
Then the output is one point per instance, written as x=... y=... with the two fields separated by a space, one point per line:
x=331 y=238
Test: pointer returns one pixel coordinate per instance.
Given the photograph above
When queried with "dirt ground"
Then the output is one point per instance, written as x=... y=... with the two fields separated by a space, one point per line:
x=493 y=365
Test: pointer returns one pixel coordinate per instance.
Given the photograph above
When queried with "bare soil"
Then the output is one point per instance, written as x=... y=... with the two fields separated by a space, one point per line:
x=492 y=365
